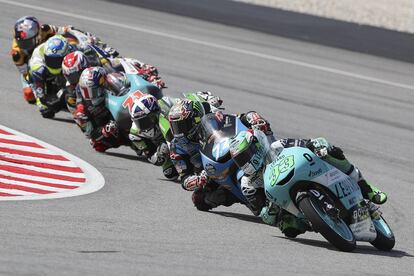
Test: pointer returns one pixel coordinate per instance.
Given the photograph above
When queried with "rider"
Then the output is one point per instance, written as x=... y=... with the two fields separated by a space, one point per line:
x=72 y=67
x=150 y=132
x=248 y=151
x=185 y=117
x=46 y=71
x=91 y=113
x=28 y=34
x=146 y=135
x=74 y=63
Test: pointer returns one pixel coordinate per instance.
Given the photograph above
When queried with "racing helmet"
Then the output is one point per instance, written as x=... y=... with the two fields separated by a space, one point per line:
x=26 y=33
x=72 y=66
x=185 y=117
x=56 y=49
x=247 y=152
x=144 y=114
x=91 y=84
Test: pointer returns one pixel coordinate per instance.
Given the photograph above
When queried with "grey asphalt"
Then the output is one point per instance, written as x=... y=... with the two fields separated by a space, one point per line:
x=304 y=27
x=140 y=224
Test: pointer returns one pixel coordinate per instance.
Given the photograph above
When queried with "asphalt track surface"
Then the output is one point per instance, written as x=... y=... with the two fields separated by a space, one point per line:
x=140 y=224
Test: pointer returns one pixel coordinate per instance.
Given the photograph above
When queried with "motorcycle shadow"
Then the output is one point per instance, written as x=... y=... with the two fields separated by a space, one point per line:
x=126 y=156
x=64 y=120
x=249 y=218
x=365 y=249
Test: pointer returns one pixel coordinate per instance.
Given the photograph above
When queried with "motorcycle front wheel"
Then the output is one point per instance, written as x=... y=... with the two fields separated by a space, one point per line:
x=334 y=229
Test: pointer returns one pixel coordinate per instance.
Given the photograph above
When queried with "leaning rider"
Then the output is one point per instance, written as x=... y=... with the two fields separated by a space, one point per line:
x=248 y=152
x=28 y=34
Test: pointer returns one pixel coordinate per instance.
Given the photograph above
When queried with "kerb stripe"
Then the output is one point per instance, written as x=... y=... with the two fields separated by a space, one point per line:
x=55 y=185
x=42 y=165
x=40 y=174
x=23 y=188
x=33 y=154
x=20 y=143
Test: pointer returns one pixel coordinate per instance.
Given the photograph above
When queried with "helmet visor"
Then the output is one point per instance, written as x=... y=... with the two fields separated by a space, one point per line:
x=27 y=44
x=73 y=78
x=144 y=123
x=243 y=157
x=54 y=62
x=181 y=127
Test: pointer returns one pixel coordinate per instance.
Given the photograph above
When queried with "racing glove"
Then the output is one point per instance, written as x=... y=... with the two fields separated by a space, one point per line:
x=194 y=182
x=319 y=146
x=208 y=97
x=110 y=130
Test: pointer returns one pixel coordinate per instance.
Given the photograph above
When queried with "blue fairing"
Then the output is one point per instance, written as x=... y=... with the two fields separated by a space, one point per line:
x=217 y=161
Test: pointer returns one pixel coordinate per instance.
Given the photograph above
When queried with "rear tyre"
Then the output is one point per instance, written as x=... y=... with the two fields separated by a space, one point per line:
x=385 y=237
x=335 y=230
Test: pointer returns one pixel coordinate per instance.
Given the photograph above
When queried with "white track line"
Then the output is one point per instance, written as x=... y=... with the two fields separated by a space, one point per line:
x=214 y=45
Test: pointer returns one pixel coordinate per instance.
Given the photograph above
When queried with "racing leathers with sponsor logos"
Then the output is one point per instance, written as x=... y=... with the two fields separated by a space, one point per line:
x=185 y=118
x=28 y=34
x=46 y=74
x=146 y=131
x=45 y=66
x=91 y=114
x=247 y=149
x=150 y=131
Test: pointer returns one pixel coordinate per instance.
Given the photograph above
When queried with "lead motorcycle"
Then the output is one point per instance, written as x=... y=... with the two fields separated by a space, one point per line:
x=330 y=201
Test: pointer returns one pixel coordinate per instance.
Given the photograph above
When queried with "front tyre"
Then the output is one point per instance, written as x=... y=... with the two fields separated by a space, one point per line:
x=385 y=239
x=334 y=229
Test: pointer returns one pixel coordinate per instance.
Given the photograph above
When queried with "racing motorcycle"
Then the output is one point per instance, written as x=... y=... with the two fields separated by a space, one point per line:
x=120 y=105
x=330 y=201
x=58 y=97
x=215 y=153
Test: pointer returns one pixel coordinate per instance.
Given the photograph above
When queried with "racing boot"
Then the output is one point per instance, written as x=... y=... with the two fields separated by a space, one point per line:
x=250 y=187
x=368 y=190
x=257 y=201
x=169 y=170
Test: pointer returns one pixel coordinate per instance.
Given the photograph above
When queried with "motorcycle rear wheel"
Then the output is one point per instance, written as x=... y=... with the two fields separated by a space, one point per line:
x=385 y=239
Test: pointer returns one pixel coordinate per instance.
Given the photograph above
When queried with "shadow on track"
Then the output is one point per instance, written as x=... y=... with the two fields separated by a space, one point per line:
x=249 y=218
x=364 y=249
x=64 y=120
x=125 y=156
